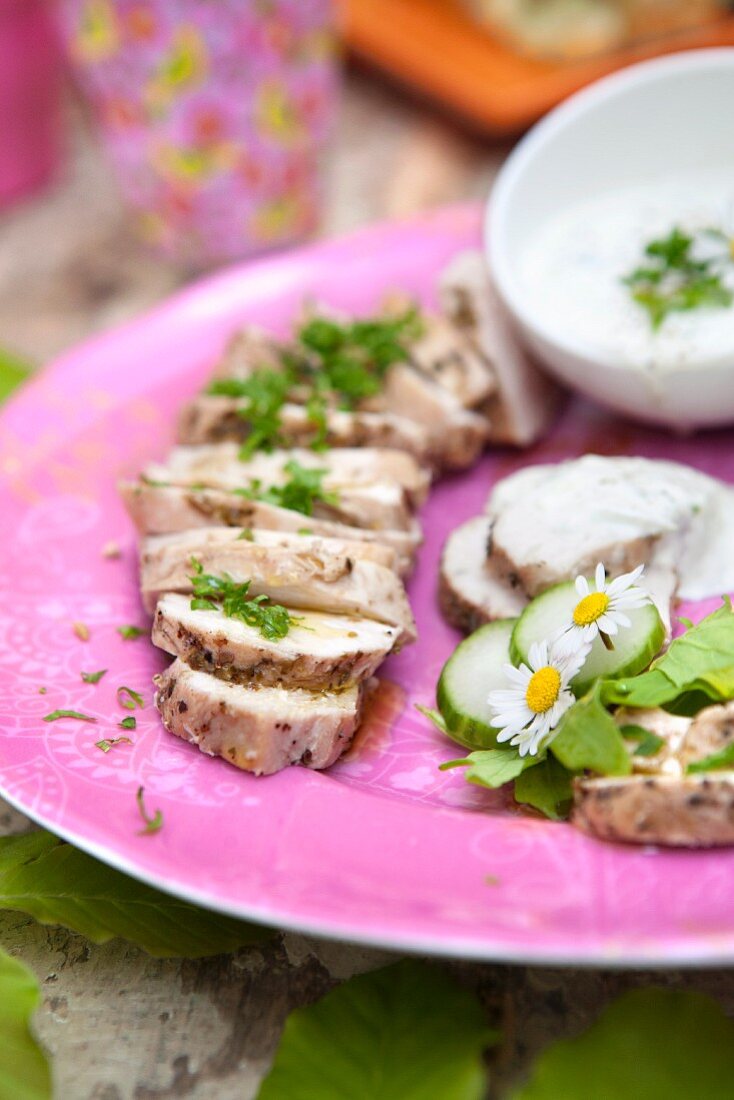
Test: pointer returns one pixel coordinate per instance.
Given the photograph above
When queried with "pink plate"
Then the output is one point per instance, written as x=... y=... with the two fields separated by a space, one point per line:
x=384 y=848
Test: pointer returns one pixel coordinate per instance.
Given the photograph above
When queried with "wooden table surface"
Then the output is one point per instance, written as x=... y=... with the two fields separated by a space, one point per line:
x=118 y=1024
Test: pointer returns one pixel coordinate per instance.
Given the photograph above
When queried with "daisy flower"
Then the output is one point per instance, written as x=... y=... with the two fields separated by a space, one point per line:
x=601 y=610
x=539 y=697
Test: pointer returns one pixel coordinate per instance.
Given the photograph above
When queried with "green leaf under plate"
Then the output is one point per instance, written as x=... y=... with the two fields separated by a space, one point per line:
x=24 y=1071
x=406 y=1032
x=57 y=884
x=651 y=1044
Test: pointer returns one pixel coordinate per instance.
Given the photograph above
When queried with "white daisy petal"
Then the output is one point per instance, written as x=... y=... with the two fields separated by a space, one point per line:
x=582 y=586
x=600 y=576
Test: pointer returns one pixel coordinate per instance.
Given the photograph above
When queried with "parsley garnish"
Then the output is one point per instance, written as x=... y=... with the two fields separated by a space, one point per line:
x=128 y=698
x=266 y=391
x=110 y=743
x=128 y=723
x=329 y=362
x=352 y=359
x=246 y=534
x=130 y=632
x=93 y=677
x=56 y=714
x=152 y=824
x=213 y=593
x=298 y=494
x=672 y=280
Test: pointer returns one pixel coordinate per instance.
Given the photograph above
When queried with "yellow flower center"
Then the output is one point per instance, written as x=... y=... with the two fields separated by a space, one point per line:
x=591 y=608
x=543 y=689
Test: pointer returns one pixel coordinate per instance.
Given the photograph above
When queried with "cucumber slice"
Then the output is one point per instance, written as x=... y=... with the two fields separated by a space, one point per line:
x=634 y=646
x=471 y=672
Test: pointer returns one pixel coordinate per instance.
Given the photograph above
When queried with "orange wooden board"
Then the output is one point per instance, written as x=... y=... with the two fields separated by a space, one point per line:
x=433 y=46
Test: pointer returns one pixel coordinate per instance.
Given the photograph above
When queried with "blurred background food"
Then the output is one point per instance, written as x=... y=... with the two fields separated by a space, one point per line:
x=147 y=140
x=579 y=28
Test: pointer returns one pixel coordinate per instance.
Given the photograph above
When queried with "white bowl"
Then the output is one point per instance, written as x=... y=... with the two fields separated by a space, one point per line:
x=670 y=115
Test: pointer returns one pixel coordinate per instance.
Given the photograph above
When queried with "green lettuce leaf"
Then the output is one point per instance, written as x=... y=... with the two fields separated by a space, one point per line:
x=406 y=1032
x=588 y=738
x=654 y=1044
x=24 y=1071
x=724 y=758
x=547 y=787
x=57 y=884
x=697 y=669
x=492 y=767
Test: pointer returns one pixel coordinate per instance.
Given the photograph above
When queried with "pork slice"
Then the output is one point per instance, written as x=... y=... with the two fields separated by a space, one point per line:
x=556 y=522
x=346 y=468
x=524 y=401
x=249 y=350
x=687 y=811
x=213 y=419
x=376 y=505
x=164 y=509
x=457 y=435
x=444 y=354
x=313 y=580
x=470 y=592
x=320 y=651
x=260 y=730
x=191 y=541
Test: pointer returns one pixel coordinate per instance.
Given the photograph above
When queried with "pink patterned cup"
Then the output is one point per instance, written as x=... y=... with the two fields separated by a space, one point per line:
x=215 y=114
x=30 y=80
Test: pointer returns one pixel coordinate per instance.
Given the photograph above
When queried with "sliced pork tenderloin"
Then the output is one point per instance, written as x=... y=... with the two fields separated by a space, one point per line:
x=165 y=509
x=554 y=522
x=470 y=592
x=316 y=580
x=524 y=401
x=214 y=419
x=457 y=435
x=320 y=651
x=192 y=541
x=249 y=350
x=689 y=811
x=258 y=729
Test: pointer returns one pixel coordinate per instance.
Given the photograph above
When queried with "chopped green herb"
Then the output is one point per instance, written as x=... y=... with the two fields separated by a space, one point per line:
x=93 y=677
x=130 y=632
x=42 y=690
x=649 y=744
x=304 y=531
x=128 y=723
x=56 y=714
x=81 y=630
x=128 y=698
x=213 y=593
x=317 y=415
x=299 y=493
x=246 y=534
x=152 y=824
x=352 y=359
x=672 y=280
x=106 y=745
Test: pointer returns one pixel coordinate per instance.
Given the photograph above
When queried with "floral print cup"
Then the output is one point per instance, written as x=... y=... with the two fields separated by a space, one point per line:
x=215 y=113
